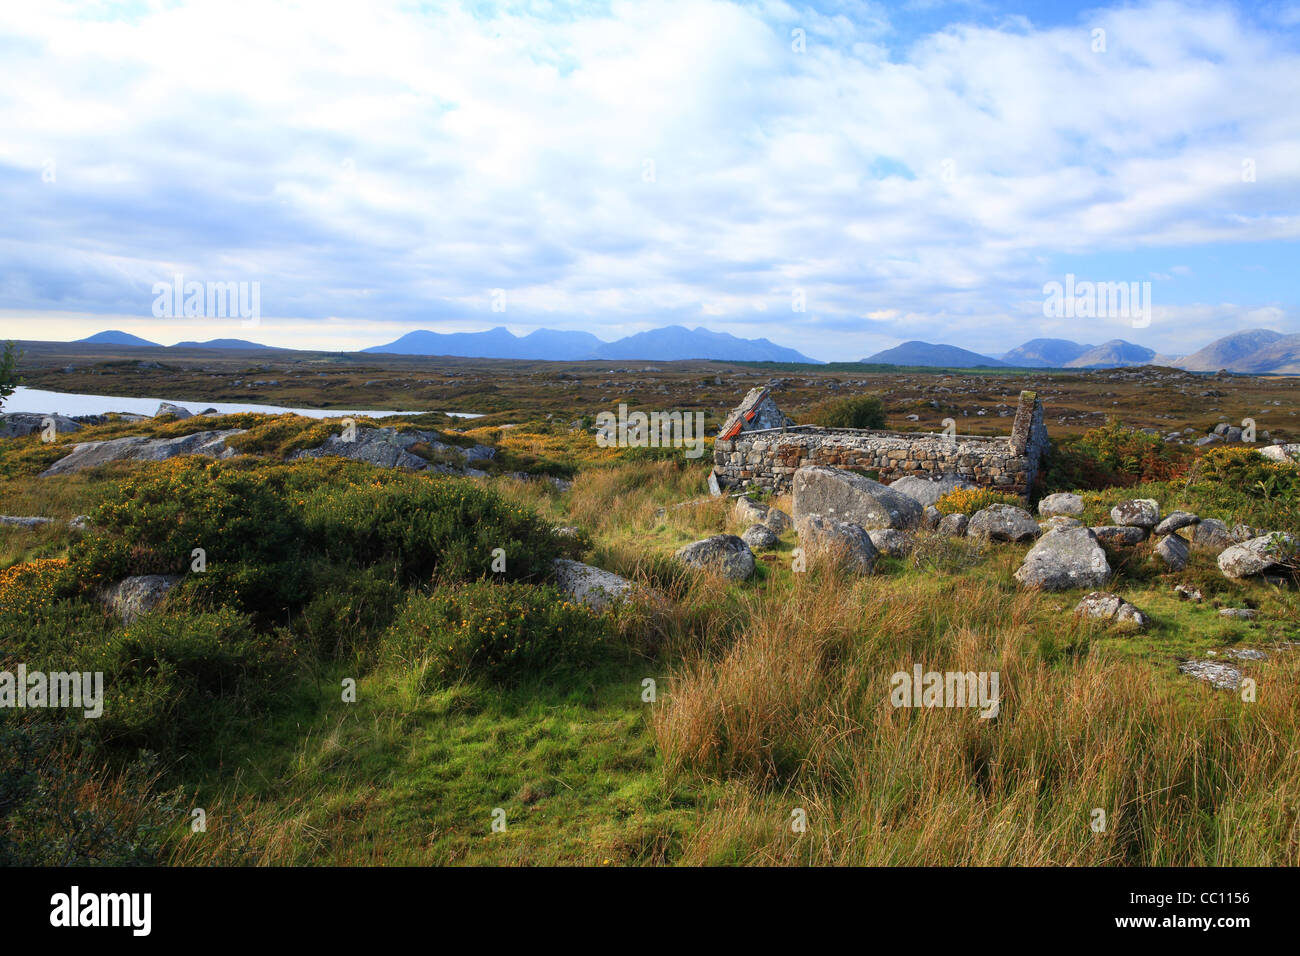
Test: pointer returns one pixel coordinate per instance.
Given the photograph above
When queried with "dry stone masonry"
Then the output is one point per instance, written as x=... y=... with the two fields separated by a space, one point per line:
x=749 y=451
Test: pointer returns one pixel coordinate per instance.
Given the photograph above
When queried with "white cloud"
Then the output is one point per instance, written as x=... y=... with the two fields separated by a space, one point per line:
x=389 y=166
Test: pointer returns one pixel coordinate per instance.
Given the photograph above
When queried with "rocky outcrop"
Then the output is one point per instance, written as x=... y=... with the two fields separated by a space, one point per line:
x=1136 y=513
x=723 y=554
x=1063 y=559
x=1281 y=452
x=845 y=496
x=133 y=597
x=590 y=585
x=1062 y=503
x=391 y=448
x=1240 y=613
x=1267 y=553
x=1002 y=523
x=171 y=408
x=211 y=444
x=1104 y=606
x=18 y=424
x=1218 y=674
x=841 y=542
x=929 y=490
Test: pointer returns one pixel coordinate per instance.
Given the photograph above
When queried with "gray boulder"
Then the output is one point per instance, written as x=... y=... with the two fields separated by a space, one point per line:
x=132 y=597
x=1062 y=503
x=723 y=554
x=1057 y=522
x=1215 y=673
x=1281 y=452
x=927 y=491
x=931 y=517
x=954 y=525
x=1174 y=521
x=1116 y=536
x=1002 y=523
x=1211 y=534
x=591 y=586
x=1186 y=592
x=1173 y=551
x=18 y=424
x=1104 y=606
x=759 y=537
x=845 y=496
x=383 y=448
x=1136 y=513
x=842 y=542
x=755 y=512
x=1240 y=613
x=1259 y=555
x=1065 y=558
x=890 y=541
x=170 y=408
x=211 y=444
x=23 y=521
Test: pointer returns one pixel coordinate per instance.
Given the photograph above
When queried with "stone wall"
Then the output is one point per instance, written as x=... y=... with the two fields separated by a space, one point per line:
x=769 y=458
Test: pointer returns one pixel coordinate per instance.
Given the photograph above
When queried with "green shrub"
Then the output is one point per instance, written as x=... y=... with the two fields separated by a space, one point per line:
x=350 y=611
x=265 y=527
x=855 y=411
x=1113 y=456
x=504 y=633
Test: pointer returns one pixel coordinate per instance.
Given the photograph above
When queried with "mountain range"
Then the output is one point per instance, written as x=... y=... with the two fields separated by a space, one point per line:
x=662 y=345
x=1256 y=351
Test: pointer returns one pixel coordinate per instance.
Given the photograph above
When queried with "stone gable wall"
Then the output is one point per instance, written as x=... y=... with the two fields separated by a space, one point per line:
x=769 y=458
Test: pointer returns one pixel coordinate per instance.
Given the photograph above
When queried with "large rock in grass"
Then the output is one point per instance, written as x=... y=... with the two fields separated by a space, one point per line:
x=891 y=542
x=1211 y=534
x=845 y=496
x=590 y=585
x=759 y=537
x=1174 y=521
x=1136 y=513
x=953 y=526
x=176 y=411
x=1002 y=523
x=1283 y=452
x=1065 y=503
x=1174 y=551
x=1270 y=552
x=1119 y=536
x=211 y=444
x=133 y=597
x=18 y=424
x=1065 y=558
x=1104 y=606
x=723 y=554
x=755 y=512
x=840 y=542
x=929 y=490
x=384 y=448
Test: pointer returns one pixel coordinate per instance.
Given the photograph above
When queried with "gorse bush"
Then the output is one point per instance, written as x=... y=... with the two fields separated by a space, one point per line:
x=855 y=411
x=967 y=501
x=267 y=528
x=503 y=633
x=1113 y=456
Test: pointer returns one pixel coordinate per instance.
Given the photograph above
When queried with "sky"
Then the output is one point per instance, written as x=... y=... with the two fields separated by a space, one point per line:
x=838 y=177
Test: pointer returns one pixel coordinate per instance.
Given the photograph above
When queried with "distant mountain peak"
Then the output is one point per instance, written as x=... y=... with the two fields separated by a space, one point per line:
x=116 y=337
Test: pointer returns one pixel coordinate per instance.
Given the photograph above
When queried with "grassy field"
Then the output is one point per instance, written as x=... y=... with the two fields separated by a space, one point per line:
x=494 y=723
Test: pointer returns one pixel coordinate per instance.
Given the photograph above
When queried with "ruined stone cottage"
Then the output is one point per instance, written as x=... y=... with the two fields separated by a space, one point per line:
x=759 y=445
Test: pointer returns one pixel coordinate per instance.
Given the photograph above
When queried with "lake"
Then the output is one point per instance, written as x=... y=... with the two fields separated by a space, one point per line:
x=45 y=402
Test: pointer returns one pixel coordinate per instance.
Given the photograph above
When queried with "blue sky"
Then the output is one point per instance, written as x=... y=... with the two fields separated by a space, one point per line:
x=913 y=170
